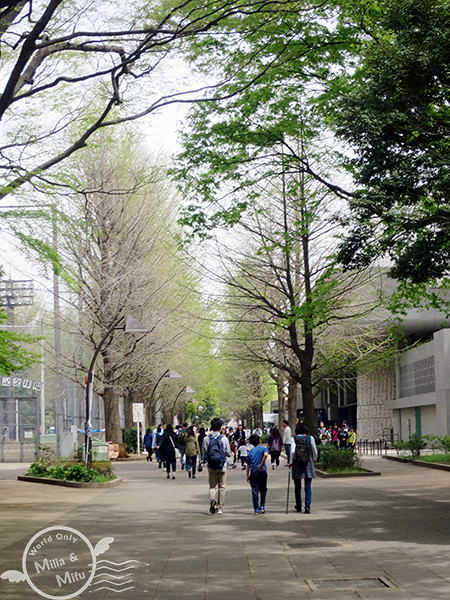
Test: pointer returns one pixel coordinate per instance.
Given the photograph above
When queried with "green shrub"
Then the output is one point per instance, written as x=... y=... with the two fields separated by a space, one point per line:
x=79 y=453
x=46 y=454
x=78 y=472
x=400 y=446
x=101 y=471
x=129 y=437
x=38 y=469
x=415 y=444
x=442 y=443
x=57 y=471
x=264 y=438
x=445 y=443
x=103 y=467
x=336 y=461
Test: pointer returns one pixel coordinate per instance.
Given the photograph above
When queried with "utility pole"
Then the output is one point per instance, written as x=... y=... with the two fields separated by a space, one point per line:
x=59 y=400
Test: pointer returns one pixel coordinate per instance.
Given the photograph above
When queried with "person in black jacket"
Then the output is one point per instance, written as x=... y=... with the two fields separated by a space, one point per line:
x=148 y=443
x=239 y=440
x=167 y=445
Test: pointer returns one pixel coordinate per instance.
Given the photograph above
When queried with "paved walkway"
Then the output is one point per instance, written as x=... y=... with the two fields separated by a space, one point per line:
x=374 y=538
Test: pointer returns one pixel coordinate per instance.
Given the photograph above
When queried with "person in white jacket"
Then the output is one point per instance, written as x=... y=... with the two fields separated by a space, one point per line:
x=287 y=440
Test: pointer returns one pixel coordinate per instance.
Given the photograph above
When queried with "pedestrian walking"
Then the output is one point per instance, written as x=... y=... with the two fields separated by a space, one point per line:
x=303 y=458
x=239 y=440
x=182 y=433
x=215 y=451
x=233 y=447
x=243 y=451
x=274 y=444
x=148 y=444
x=201 y=437
x=287 y=440
x=157 y=435
x=257 y=473
x=192 y=452
x=167 y=445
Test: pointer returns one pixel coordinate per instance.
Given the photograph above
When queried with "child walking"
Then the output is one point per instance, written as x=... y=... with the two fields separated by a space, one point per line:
x=243 y=451
x=257 y=474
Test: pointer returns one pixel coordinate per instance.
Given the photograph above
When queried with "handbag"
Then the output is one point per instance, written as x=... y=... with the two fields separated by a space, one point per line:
x=177 y=452
x=200 y=467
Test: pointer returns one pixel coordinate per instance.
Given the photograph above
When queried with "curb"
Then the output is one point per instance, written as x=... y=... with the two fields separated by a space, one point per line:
x=71 y=484
x=130 y=458
x=419 y=463
x=364 y=473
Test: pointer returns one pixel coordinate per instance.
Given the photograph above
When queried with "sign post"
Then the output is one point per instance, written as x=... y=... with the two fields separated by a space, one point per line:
x=138 y=417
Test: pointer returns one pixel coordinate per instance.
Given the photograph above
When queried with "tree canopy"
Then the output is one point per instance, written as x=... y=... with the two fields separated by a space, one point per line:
x=395 y=113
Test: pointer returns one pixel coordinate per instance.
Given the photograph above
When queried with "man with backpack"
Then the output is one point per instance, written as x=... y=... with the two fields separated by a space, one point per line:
x=303 y=458
x=216 y=448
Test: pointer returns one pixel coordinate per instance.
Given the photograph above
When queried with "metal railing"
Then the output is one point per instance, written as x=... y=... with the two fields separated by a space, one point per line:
x=372 y=447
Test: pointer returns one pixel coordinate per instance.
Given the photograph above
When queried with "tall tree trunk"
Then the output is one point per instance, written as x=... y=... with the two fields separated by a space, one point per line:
x=292 y=403
x=149 y=412
x=309 y=412
x=113 y=431
x=281 y=398
x=128 y=409
x=182 y=413
x=259 y=415
x=165 y=409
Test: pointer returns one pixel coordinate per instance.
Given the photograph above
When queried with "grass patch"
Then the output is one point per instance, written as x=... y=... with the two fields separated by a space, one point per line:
x=435 y=458
x=429 y=458
x=336 y=470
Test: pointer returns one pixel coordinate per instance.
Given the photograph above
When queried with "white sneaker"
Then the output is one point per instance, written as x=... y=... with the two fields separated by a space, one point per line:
x=219 y=511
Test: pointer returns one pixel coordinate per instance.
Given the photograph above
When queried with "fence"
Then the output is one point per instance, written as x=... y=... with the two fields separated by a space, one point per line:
x=21 y=451
x=372 y=447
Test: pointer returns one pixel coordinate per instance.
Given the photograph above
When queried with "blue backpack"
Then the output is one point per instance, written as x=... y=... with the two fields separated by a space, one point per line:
x=216 y=453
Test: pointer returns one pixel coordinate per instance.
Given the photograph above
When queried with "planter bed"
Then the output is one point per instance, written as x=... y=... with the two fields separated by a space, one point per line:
x=420 y=463
x=72 y=484
x=361 y=473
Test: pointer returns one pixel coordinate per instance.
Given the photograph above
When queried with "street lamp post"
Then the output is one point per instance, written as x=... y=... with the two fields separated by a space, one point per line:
x=130 y=326
x=171 y=374
x=186 y=389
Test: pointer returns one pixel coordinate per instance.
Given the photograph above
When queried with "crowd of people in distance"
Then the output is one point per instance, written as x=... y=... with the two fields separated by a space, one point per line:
x=220 y=448
x=342 y=436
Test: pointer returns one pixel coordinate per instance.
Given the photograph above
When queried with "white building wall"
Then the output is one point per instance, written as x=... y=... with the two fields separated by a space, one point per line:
x=428 y=416
x=423 y=381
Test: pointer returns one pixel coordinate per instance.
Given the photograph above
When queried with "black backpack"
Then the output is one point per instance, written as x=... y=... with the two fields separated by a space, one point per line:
x=302 y=451
x=215 y=456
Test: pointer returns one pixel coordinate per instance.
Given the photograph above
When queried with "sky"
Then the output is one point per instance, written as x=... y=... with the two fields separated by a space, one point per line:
x=161 y=134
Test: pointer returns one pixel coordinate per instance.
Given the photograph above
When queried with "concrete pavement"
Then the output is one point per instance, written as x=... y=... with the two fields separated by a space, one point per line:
x=376 y=537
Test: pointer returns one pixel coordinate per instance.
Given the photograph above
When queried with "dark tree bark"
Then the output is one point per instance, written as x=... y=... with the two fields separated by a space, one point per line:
x=292 y=403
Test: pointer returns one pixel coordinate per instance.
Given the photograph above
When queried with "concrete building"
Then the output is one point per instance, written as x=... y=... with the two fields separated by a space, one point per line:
x=412 y=396
x=422 y=401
